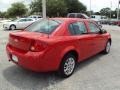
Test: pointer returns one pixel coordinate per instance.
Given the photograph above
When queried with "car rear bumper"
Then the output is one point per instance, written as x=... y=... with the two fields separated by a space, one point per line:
x=34 y=61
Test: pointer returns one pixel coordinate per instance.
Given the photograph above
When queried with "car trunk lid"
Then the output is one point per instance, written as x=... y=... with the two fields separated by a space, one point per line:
x=23 y=40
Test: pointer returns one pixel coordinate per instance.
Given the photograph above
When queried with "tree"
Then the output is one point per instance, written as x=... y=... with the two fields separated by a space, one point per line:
x=54 y=7
x=97 y=13
x=17 y=9
x=75 y=6
x=0 y=13
x=3 y=14
x=36 y=6
x=58 y=7
x=105 y=11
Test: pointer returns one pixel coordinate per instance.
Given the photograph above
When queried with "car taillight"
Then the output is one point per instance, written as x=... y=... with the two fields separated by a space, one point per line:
x=38 y=46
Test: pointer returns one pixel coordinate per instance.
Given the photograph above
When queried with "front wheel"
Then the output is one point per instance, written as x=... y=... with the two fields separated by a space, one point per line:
x=107 y=48
x=67 y=66
x=12 y=27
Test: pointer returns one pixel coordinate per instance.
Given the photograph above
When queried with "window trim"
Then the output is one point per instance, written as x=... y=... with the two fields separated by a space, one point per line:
x=90 y=29
x=74 y=30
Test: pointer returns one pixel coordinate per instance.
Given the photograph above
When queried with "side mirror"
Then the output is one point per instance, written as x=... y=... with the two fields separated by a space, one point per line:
x=102 y=31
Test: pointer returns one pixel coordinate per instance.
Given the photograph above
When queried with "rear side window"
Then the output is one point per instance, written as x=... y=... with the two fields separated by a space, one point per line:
x=71 y=15
x=29 y=20
x=22 y=20
x=77 y=28
x=79 y=16
x=44 y=26
x=93 y=28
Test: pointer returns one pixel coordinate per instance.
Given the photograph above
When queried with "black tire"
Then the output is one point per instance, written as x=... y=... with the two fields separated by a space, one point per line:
x=65 y=60
x=107 y=47
x=12 y=27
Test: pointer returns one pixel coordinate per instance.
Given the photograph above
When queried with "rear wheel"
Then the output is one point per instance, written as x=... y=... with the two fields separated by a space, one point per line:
x=107 y=48
x=12 y=27
x=67 y=66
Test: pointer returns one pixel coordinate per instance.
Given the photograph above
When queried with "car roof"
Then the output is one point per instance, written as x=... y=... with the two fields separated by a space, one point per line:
x=35 y=15
x=26 y=18
x=30 y=18
x=83 y=14
x=72 y=19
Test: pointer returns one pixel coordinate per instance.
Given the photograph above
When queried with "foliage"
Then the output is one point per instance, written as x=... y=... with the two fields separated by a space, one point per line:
x=97 y=13
x=75 y=6
x=36 y=6
x=17 y=9
x=58 y=7
x=105 y=11
x=3 y=15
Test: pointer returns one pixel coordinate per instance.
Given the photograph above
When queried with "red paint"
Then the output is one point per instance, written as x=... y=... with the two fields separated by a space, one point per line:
x=39 y=53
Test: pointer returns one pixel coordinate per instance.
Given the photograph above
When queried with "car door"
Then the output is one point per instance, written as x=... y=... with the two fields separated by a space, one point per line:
x=29 y=21
x=21 y=23
x=99 y=39
x=85 y=41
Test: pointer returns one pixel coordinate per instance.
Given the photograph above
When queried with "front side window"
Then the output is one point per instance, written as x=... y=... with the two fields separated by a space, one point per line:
x=93 y=28
x=44 y=26
x=22 y=20
x=77 y=28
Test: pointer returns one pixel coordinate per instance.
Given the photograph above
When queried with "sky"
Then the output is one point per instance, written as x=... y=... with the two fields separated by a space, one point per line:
x=96 y=5
x=5 y=4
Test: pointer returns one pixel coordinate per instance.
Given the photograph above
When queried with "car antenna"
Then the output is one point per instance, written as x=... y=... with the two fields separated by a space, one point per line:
x=48 y=27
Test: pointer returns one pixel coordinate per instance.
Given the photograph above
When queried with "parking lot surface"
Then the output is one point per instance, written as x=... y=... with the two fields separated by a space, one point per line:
x=101 y=72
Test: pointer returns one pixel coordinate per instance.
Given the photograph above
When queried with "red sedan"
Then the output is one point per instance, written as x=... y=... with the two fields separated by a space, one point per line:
x=57 y=44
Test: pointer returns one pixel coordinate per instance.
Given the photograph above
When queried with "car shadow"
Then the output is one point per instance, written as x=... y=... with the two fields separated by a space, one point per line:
x=27 y=80
x=88 y=61
x=24 y=79
x=11 y=30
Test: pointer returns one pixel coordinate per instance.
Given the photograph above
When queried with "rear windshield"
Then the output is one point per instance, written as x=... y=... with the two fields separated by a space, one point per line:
x=44 y=26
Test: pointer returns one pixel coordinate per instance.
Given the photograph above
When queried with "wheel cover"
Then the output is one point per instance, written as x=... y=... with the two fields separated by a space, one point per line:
x=69 y=66
x=108 y=47
x=13 y=27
